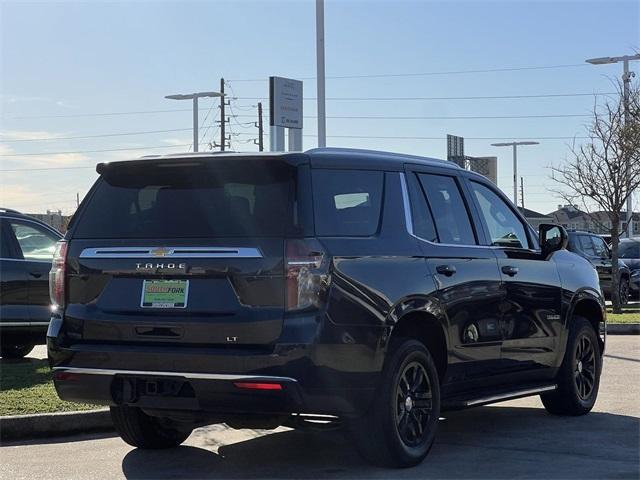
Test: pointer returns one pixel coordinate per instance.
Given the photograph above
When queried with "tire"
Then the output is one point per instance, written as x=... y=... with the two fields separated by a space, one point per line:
x=400 y=426
x=15 y=351
x=579 y=376
x=623 y=291
x=144 y=431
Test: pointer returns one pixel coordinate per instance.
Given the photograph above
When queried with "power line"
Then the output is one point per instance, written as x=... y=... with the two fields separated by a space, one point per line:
x=425 y=74
x=92 y=151
x=102 y=114
x=462 y=117
x=43 y=169
x=266 y=134
x=101 y=135
x=476 y=97
x=397 y=137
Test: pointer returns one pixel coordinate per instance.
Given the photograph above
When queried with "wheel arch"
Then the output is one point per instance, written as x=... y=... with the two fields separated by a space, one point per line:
x=593 y=311
x=427 y=327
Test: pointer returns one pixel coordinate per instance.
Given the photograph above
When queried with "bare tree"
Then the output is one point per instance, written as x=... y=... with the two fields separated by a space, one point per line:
x=605 y=170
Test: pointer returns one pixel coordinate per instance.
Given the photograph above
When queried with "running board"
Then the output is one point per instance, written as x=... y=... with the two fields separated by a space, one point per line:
x=459 y=402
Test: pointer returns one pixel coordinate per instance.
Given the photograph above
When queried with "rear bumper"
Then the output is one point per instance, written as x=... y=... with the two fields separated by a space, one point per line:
x=217 y=394
x=315 y=378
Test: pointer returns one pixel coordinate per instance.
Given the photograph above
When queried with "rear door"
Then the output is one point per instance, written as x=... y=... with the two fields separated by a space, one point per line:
x=35 y=244
x=188 y=252
x=465 y=273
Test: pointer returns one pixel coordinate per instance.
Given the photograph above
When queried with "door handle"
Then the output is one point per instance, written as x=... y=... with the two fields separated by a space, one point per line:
x=35 y=274
x=509 y=270
x=446 y=270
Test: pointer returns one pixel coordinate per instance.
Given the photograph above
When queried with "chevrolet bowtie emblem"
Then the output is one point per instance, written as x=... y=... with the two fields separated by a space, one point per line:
x=160 y=252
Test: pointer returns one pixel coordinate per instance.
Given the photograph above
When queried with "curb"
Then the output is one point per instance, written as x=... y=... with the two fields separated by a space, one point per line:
x=623 y=328
x=20 y=427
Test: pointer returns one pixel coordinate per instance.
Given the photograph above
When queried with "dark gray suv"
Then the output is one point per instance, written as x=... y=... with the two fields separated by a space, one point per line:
x=360 y=288
x=597 y=252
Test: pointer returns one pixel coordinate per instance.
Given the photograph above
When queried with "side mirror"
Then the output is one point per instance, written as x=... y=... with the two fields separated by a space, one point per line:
x=552 y=238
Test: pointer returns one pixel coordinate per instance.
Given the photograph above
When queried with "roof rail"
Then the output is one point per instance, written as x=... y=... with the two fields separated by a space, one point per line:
x=8 y=210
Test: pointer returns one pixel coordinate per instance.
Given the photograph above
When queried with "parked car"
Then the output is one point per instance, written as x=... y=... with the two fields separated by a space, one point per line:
x=27 y=248
x=366 y=288
x=594 y=248
x=629 y=253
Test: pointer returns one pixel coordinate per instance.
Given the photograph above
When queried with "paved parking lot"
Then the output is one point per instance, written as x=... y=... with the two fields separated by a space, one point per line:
x=508 y=440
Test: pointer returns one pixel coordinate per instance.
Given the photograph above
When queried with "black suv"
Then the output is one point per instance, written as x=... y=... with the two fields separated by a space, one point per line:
x=27 y=247
x=595 y=249
x=365 y=288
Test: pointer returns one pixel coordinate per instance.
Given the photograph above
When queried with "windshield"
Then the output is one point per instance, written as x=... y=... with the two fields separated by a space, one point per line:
x=629 y=250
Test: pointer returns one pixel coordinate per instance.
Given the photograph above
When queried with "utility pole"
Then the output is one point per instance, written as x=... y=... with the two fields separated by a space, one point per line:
x=223 y=118
x=626 y=83
x=259 y=126
x=77 y=200
x=522 y=192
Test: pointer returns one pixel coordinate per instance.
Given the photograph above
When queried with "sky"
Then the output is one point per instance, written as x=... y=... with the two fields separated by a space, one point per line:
x=87 y=69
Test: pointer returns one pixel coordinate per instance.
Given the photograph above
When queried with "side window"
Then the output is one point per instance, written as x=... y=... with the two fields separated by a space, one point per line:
x=423 y=225
x=347 y=202
x=505 y=228
x=600 y=248
x=35 y=242
x=448 y=209
x=586 y=245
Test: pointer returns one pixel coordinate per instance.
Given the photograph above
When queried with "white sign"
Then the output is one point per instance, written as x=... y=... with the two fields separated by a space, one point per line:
x=285 y=102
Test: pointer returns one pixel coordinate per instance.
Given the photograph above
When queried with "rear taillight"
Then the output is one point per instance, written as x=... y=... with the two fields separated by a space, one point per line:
x=57 y=274
x=258 y=386
x=307 y=274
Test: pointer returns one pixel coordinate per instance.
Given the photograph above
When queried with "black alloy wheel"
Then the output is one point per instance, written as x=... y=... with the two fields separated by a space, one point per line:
x=578 y=378
x=413 y=404
x=623 y=291
x=400 y=425
x=585 y=367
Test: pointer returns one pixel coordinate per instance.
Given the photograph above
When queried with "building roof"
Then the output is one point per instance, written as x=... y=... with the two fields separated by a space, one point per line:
x=532 y=213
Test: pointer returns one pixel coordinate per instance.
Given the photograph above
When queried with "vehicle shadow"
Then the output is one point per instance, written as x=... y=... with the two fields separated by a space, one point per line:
x=22 y=373
x=488 y=442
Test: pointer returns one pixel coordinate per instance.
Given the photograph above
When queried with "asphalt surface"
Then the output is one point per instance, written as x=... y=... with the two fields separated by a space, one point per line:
x=507 y=440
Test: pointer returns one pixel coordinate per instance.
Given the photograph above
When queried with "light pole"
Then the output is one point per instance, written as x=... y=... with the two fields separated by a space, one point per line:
x=626 y=83
x=515 y=163
x=194 y=97
x=322 y=115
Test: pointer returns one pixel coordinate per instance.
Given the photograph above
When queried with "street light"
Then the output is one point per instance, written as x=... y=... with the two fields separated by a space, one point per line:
x=194 y=97
x=320 y=76
x=515 y=163
x=626 y=82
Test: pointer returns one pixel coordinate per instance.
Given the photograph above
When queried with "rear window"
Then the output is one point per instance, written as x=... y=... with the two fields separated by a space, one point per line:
x=230 y=198
x=347 y=202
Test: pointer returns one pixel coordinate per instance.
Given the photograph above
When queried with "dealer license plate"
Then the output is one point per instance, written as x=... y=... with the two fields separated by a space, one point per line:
x=164 y=293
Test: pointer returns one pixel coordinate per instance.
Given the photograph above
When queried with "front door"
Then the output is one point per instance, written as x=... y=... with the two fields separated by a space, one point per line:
x=36 y=245
x=531 y=311
x=14 y=288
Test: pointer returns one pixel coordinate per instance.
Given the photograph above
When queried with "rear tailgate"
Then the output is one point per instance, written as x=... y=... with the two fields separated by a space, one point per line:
x=233 y=291
x=186 y=252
